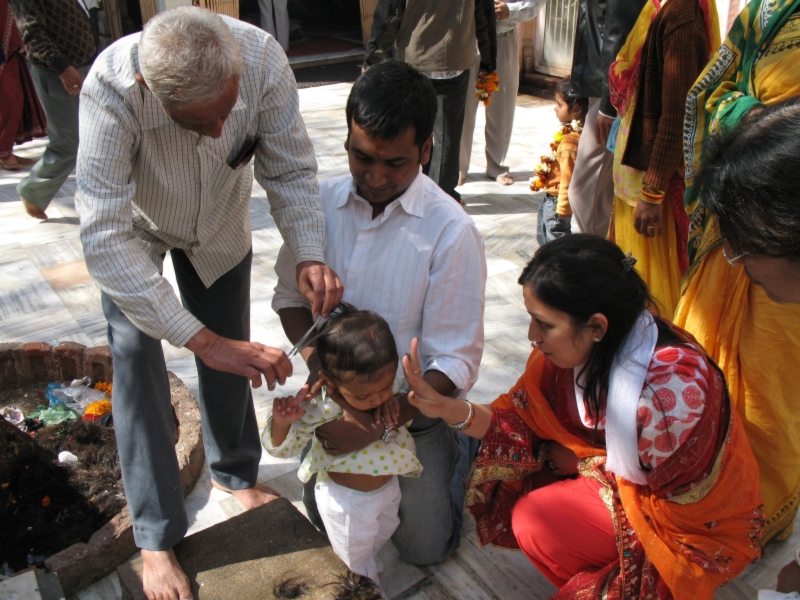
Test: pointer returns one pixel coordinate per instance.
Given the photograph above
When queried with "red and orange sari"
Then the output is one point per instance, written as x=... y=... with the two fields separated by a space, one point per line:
x=695 y=526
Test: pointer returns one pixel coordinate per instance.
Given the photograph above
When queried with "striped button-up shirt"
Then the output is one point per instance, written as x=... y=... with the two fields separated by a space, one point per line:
x=420 y=264
x=146 y=186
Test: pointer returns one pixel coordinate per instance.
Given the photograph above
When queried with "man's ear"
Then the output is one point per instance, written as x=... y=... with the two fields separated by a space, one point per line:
x=347 y=143
x=140 y=80
x=425 y=152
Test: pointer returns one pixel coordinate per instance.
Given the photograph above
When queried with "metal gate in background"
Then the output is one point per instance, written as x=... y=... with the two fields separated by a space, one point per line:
x=556 y=37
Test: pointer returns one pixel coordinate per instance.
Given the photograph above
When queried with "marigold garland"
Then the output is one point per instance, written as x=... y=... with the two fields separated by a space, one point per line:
x=104 y=387
x=487 y=84
x=98 y=409
x=543 y=168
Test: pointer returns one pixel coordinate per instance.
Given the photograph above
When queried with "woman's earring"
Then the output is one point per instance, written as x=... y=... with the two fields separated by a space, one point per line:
x=597 y=339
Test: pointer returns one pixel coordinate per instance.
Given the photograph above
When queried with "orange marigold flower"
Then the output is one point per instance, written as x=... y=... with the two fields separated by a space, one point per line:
x=46 y=501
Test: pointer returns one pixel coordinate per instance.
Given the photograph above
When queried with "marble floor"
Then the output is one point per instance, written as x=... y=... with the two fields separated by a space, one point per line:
x=46 y=295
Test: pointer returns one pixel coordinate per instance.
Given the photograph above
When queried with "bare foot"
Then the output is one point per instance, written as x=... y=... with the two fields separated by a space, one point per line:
x=504 y=179
x=163 y=578
x=253 y=497
x=34 y=211
x=15 y=163
x=460 y=180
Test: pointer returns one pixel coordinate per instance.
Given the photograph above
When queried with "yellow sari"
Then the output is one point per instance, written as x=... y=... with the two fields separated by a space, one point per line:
x=659 y=262
x=755 y=341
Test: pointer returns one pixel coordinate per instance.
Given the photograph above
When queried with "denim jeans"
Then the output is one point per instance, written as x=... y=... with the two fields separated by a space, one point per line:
x=550 y=226
x=432 y=507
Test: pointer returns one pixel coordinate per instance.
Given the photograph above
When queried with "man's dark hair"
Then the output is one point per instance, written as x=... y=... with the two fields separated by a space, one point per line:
x=391 y=97
x=356 y=343
x=751 y=181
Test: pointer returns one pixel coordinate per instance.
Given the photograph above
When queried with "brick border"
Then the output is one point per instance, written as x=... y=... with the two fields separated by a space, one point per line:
x=81 y=564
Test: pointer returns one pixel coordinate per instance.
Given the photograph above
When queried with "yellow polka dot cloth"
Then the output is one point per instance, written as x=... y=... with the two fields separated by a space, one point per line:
x=395 y=458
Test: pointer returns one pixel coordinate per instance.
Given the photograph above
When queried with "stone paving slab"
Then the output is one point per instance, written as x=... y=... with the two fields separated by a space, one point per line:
x=243 y=557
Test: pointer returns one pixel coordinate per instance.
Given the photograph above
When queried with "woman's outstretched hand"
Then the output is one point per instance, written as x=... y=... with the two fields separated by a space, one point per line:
x=429 y=402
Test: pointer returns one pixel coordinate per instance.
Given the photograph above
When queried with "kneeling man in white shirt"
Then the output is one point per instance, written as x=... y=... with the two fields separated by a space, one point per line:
x=405 y=250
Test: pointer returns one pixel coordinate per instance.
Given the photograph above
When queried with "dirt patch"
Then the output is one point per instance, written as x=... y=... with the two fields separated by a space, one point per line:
x=26 y=397
x=46 y=507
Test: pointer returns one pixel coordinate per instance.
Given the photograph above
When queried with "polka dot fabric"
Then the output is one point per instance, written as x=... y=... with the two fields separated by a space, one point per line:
x=396 y=458
x=672 y=401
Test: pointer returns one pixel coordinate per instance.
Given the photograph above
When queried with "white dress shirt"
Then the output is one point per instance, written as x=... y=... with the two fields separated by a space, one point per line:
x=146 y=186
x=420 y=265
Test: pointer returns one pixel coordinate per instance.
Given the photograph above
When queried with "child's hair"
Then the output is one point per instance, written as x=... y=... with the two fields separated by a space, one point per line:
x=578 y=105
x=356 y=343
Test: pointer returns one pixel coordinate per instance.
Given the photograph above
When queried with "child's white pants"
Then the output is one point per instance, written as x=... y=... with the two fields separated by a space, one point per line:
x=359 y=523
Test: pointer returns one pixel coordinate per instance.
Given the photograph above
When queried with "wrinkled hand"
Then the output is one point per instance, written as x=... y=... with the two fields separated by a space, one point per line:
x=287 y=410
x=390 y=411
x=562 y=460
x=320 y=285
x=429 y=402
x=248 y=359
x=648 y=219
x=354 y=430
x=72 y=80
x=501 y=10
x=602 y=127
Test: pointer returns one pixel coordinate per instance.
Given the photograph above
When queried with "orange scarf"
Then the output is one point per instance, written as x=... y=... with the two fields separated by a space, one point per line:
x=719 y=518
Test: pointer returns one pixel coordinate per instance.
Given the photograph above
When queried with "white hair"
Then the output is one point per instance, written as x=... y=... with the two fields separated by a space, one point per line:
x=185 y=54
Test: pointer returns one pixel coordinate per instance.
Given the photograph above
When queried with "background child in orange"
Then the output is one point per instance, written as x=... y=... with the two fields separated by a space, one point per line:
x=554 y=172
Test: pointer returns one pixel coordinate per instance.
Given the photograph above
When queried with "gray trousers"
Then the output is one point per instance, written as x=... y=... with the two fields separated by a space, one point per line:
x=142 y=409
x=275 y=20
x=61 y=109
x=591 y=189
x=499 y=114
x=451 y=99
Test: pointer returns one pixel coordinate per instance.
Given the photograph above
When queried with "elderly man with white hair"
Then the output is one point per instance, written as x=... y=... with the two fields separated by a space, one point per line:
x=169 y=121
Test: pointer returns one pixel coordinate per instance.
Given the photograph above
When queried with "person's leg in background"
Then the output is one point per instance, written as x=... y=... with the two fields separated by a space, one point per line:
x=230 y=431
x=451 y=96
x=429 y=525
x=49 y=173
x=591 y=189
x=500 y=112
x=275 y=20
x=468 y=131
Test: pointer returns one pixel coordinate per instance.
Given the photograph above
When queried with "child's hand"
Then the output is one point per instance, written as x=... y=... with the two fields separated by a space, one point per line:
x=390 y=410
x=562 y=460
x=429 y=402
x=287 y=410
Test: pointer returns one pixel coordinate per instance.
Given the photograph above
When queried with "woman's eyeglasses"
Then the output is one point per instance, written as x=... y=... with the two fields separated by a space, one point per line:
x=731 y=257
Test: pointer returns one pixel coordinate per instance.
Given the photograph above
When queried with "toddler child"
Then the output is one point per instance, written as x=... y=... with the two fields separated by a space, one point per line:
x=554 y=172
x=358 y=494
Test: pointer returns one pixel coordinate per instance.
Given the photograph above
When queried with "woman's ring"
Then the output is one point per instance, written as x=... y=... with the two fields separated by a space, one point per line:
x=416 y=372
x=552 y=465
x=325 y=443
x=651 y=228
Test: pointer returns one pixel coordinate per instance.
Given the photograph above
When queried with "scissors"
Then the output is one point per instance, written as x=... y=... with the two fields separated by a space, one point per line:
x=310 y=337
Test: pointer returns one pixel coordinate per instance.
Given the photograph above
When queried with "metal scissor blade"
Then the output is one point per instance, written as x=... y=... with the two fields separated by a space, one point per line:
x=308 y=338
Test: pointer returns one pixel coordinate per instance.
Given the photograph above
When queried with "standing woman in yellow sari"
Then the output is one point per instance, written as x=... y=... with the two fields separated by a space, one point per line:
x=754 y=340
x=666 y=50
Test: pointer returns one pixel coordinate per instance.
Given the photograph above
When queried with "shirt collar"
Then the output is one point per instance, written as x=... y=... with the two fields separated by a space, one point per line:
x=411 y=201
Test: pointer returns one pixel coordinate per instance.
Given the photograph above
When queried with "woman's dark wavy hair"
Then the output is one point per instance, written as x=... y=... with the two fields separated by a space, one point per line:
x=356 y=343
x=564 y=87
x=750 y=180
x=389 y=98
x=582 y=275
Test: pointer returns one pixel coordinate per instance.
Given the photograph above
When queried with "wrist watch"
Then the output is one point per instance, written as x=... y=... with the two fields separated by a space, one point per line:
x=389 y=433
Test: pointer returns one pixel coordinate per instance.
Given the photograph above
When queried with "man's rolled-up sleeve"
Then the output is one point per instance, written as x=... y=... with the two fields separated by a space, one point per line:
x=452 y=322
x=115 y=256
x=286 y=167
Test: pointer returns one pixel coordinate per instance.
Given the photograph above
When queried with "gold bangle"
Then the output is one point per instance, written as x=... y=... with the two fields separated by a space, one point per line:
x=648 y=201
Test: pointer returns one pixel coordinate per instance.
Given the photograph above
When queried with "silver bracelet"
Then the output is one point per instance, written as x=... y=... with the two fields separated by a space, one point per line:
x=466 y=422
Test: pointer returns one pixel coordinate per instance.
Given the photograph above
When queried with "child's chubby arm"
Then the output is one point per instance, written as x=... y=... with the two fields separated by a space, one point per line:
x=288 y=410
